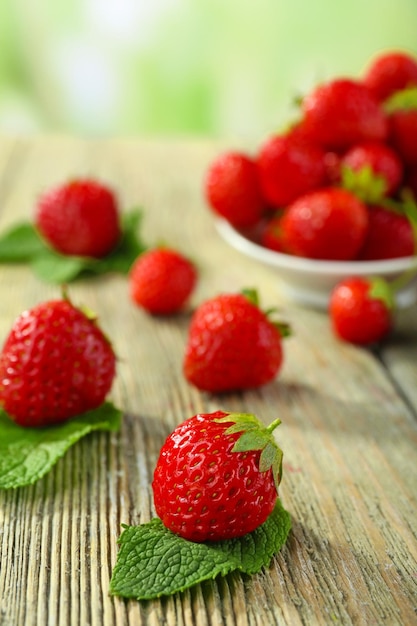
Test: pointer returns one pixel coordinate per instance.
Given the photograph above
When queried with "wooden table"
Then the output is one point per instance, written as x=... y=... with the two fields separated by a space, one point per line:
x=349 y=429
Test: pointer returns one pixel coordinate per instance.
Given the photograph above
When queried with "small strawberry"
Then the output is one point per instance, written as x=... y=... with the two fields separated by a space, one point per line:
x=161 y=281
x=217 y=476
x=232 y=189
x=361 y=310
x=289 y=167
x=330 y=223
x=79 y=218
x=341 y=113
x=401 y=109
x=390 y=72
x=271 y=235
x=372 y=170
x=390 y=235
x=55 y=364
x=232 y=344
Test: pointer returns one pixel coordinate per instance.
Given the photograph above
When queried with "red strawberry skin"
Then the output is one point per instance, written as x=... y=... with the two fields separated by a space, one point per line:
x=390 y=235
x=356 y=316
x=79 y=218
x=204 y=491
x=382 y=161
x=390 y=72
x=403 y=134
x=232 y=189
x=289 y=167
x=161 y=281
x=231 y=345
x=55 y=364
x=327 y=224
x=271 y=235
x=343 y=112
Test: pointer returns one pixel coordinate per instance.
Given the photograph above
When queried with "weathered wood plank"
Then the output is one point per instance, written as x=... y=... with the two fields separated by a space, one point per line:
x=348 y=431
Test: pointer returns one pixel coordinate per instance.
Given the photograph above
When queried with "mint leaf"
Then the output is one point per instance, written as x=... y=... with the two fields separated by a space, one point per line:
x=52 y=267
x=26 y=454
x=153 y=562
x=20 y=243
x=23 y=244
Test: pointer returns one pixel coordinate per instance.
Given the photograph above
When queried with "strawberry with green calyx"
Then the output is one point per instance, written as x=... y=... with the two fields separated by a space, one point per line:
x=371 y=171
x=56 y=363
x=361 y=310
x=217 y=476
x=401 y=110
x=232 y=344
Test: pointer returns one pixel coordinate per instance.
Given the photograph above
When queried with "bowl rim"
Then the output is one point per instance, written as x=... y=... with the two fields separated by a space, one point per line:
x=306 y=265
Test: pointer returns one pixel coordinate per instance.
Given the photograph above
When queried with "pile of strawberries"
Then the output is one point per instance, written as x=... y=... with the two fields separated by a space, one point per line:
x=341 y=182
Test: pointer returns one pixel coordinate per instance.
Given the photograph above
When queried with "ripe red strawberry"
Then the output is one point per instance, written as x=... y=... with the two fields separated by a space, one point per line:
x=79 y=218
x=361 y=310
x=55 y=364
x=161 y=281
x=390 y=235
x=232 y=189
x=341 y=113
x=232 y=345
x=327 y=224
x=217 y=476
x=402 y=123
x=390 y=72
x=289 y=167
x=271 y=236
x=372 y=169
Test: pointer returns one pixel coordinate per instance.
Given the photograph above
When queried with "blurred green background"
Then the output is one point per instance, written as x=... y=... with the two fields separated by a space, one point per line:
x=214 y=67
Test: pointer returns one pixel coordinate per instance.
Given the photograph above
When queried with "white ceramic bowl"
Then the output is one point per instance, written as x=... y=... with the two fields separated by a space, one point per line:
x=309 y=281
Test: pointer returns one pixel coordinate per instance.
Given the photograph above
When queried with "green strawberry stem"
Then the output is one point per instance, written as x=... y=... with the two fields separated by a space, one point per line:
x=283 y=328
x=364 y=183
x=272 y=426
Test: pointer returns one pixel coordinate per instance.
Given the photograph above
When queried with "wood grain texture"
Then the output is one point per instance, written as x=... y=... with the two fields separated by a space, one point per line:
x=348 y=430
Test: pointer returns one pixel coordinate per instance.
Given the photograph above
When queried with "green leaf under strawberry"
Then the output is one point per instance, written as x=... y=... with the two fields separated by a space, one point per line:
x=23 y=244
x=154 y=562
x=27 y=454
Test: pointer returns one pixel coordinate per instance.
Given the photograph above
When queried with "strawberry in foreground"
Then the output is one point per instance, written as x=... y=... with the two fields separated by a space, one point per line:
x=232 y=344
x=217 y=476
x=56 y=363
x=161 y=281
x=361 y=310
x=79 y=218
